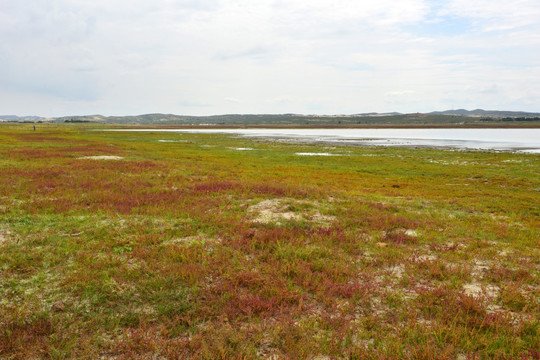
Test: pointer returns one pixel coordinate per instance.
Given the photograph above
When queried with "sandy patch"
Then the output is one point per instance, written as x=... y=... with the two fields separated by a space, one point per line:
x=453 y=162
x=476 y=290
x=479 y=268
x=267 y=350
x=274 y=210
x=515 y=317
x=411 y=233
x=285 y=209
x=398 y=231
x=399 y=236
x=397 y=271
x=504 y=252
x=314 y=154
x=209 y=243
x=4 y=236
x=424 y=258
x=100 y=157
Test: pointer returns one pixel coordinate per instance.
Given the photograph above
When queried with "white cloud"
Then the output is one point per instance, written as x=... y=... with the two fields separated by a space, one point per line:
x=202 y=56
x=494 y=15
x=399 y=93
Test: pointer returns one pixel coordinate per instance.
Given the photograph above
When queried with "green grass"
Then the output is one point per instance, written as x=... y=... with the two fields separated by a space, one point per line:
x=192 y=249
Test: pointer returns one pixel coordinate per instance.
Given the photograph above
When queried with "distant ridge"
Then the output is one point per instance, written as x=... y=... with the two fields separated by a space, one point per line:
x=21 y=118
x=487 y=113
x=447 y=117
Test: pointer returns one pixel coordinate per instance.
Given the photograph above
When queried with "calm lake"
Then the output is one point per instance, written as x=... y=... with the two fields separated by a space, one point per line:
x=522 y=140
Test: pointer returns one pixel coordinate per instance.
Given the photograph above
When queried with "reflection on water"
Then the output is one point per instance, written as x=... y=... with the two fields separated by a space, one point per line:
x=526 y=140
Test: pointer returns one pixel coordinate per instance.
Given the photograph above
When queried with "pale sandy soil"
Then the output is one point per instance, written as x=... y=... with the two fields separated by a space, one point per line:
x=100 y=157
x=285 y=209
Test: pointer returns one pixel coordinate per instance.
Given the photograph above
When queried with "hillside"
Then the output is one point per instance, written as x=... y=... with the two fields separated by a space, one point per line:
x=308 y=120
x=449 y=117
x=487 y=113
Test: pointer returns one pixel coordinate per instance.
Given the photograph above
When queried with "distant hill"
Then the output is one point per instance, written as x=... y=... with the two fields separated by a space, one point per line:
x=457 y=117
x=22 y=118
x=486 y=113
x=476 y=117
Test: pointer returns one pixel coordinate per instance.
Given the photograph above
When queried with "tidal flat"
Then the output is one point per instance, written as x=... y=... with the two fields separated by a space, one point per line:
x=153 y=245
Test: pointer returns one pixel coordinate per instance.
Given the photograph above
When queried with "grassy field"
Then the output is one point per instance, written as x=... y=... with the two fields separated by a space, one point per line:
x=179 y=246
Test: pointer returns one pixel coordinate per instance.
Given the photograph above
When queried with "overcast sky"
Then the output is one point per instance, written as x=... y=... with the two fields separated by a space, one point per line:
x=200 y=57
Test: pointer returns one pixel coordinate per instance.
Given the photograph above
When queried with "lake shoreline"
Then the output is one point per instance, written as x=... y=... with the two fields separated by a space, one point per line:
x=513 y=140
x=360 y=143
x=525 y=125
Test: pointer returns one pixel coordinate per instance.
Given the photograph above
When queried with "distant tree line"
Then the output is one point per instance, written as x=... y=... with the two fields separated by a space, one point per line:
x=521 y=119
x=76 y=121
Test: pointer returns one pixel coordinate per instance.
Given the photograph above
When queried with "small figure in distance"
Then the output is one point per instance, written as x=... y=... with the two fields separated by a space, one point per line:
x=34 y=127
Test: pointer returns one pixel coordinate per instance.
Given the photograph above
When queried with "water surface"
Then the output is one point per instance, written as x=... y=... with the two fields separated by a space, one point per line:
x=527 y=140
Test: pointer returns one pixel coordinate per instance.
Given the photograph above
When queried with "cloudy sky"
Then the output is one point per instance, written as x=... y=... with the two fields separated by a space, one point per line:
x=200 y=57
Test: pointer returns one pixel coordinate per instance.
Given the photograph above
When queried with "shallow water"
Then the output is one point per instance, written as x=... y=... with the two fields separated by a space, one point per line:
x=523 y=140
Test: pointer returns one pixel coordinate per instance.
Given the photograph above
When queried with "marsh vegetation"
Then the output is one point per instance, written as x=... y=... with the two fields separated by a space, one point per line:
x=165 y=245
